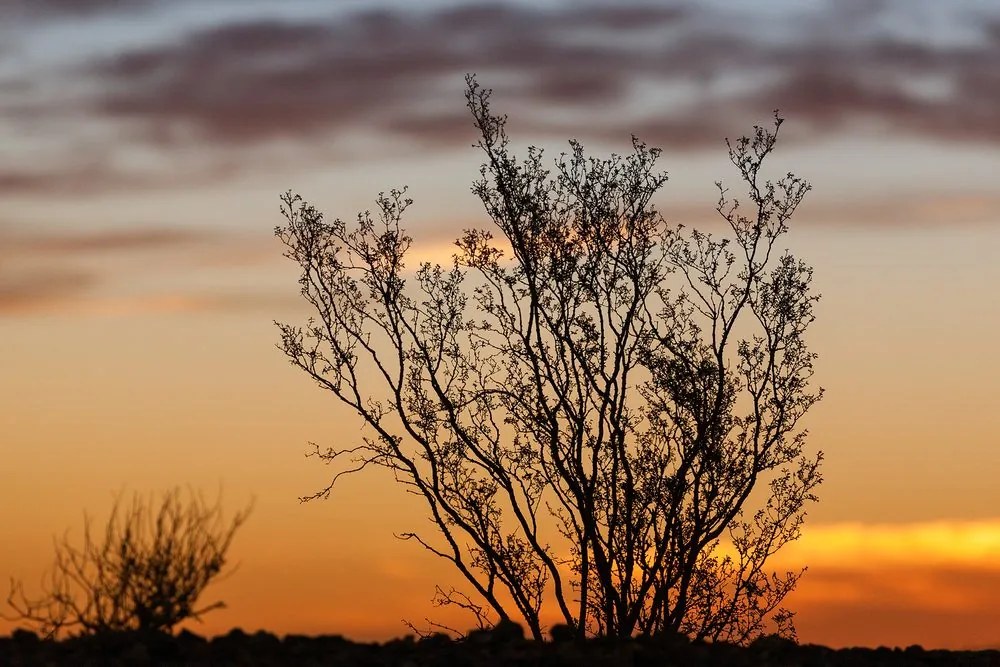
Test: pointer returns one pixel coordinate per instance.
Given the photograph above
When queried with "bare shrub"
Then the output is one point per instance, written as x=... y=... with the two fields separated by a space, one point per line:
x=599 y=409
x=146 y=572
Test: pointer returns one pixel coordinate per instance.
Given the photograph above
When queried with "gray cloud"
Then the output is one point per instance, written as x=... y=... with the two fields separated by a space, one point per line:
x=256 y=80
x=75 y=8
x=263 y=80
x=569 y=70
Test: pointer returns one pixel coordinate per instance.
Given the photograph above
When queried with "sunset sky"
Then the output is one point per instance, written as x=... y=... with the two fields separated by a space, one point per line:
x=143 y=146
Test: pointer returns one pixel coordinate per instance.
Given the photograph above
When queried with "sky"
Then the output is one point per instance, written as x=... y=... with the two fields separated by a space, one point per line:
x=143 y=147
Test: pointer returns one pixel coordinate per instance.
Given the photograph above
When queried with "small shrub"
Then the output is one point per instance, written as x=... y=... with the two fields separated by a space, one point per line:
x=145 y=574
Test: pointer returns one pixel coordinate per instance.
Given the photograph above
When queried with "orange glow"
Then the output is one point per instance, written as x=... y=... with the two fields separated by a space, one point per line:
x=935 y=544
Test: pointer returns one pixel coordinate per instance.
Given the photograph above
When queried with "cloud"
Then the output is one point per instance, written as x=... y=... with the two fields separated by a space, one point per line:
x=73 y=273
x=69 y=295
x=877 y=546
x=106 y=171
x=34 y=246
x=386 y=71
x=41 y=273
x=41 y=291
x=156 y=303
x=73 y=8
x=877 y=622
x=937 y=607
x=930 y=583
x=928 y=587
x=682 y=75
x=253 y=81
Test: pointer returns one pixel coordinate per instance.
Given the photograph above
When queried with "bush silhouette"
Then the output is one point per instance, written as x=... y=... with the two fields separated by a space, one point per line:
x=145 y=573
x=600 y=410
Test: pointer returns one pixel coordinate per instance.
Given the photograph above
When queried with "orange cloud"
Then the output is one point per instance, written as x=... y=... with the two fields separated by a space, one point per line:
x=880 y=546
x=931 y=583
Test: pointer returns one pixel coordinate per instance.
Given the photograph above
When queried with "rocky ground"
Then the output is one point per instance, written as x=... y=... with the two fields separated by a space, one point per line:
x=482 y=649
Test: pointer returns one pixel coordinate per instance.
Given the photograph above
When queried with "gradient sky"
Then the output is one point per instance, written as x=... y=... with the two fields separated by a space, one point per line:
x=143 y=145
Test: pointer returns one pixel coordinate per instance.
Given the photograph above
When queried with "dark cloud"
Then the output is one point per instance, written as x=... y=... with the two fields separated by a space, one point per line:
x=263 y=80
x=71 y=8
x=254 y=81
x=570 y=70
x=627 y=17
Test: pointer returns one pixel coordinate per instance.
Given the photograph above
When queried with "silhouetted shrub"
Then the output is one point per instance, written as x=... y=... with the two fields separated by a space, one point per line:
x=146 y=573
x=600 y=409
